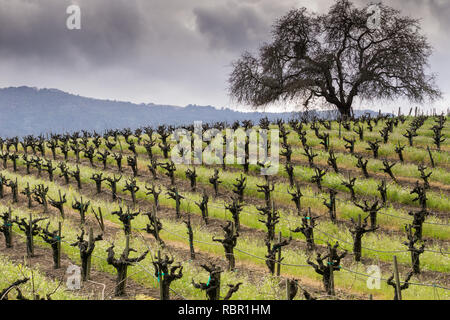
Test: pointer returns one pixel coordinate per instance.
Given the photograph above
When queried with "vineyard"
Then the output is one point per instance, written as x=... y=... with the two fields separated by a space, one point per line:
x=359 y=210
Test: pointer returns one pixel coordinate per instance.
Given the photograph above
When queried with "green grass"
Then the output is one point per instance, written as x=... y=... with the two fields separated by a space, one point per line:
x=249 y=217
x=11 y=272
x=430 y=261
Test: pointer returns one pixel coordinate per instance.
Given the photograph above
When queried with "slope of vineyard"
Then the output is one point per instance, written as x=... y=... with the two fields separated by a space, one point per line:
x=123 y=182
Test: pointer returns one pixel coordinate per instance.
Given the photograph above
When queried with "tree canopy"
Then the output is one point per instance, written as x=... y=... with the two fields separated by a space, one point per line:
x=335 y=57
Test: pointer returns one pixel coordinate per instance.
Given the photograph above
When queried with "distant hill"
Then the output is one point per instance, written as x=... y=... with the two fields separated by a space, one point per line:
x=25 y=110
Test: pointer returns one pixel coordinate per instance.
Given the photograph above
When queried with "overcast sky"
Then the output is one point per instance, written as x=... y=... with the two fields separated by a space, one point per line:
x=174 y=52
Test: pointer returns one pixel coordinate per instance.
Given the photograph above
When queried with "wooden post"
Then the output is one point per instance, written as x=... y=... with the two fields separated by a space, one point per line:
x=331 y=279
x=340 y=125
x=218 y=286
x=330 y=265
x=191 y=236
x=273 y=208
x=62 y=206
x=29 y=196
x=9 y=241
x=288 y=288
x=232 y=261
x=279 y=256
x=88 y=264
x=177 y=203
x=102 y=223
x=127 y=245
x=156 y=225
x=397 y=279
x=160 y=278
x=31 y=244
x=334 y=207
x=431 y=156
x=58 y=257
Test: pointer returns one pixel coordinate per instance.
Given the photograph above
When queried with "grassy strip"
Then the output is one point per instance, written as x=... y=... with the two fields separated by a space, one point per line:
x=430 y=261
x=11 y=272
x=266 y=289
x=365 y=187
x=287 y=221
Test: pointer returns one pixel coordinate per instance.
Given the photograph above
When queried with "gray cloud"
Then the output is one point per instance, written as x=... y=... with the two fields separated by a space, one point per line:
x=233 y=25
x=171 y=51
x=37 y=31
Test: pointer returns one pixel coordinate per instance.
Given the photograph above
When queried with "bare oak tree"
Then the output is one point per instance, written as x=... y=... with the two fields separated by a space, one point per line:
x=334 y=58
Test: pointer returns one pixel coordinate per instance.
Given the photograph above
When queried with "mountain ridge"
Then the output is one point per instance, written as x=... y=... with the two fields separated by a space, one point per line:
x=28 y=110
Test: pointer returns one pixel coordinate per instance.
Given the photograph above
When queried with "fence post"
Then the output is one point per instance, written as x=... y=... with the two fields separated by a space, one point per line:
x=397 y=279
x=9 y=240
x=58 y=257
x=431 y=156
x=232 y=261
x=331 y=270
x=88 y=264
x=160 y=278
x=218 y=287
x=340 y=125
x=31 y=246
x=62 y=206
x=127 y=245
x=288 y=289
x=156 y=225
x=279 y=256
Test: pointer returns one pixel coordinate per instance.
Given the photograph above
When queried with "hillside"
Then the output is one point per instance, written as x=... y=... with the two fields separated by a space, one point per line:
x=26 y=110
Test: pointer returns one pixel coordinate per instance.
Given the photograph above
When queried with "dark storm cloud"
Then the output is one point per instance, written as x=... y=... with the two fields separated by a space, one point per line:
x=231 y=26
x=37 y=30
x=162 y=51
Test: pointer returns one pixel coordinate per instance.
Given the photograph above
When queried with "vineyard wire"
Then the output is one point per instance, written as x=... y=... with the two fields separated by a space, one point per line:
x=311 y=197
x=349 y=270
x=253 y=213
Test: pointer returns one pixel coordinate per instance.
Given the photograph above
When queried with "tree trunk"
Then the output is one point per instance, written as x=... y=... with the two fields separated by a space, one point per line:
x=121 y=281
x=357 y=248
x=415 y=262
x=230 y=257
x=165 y=289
